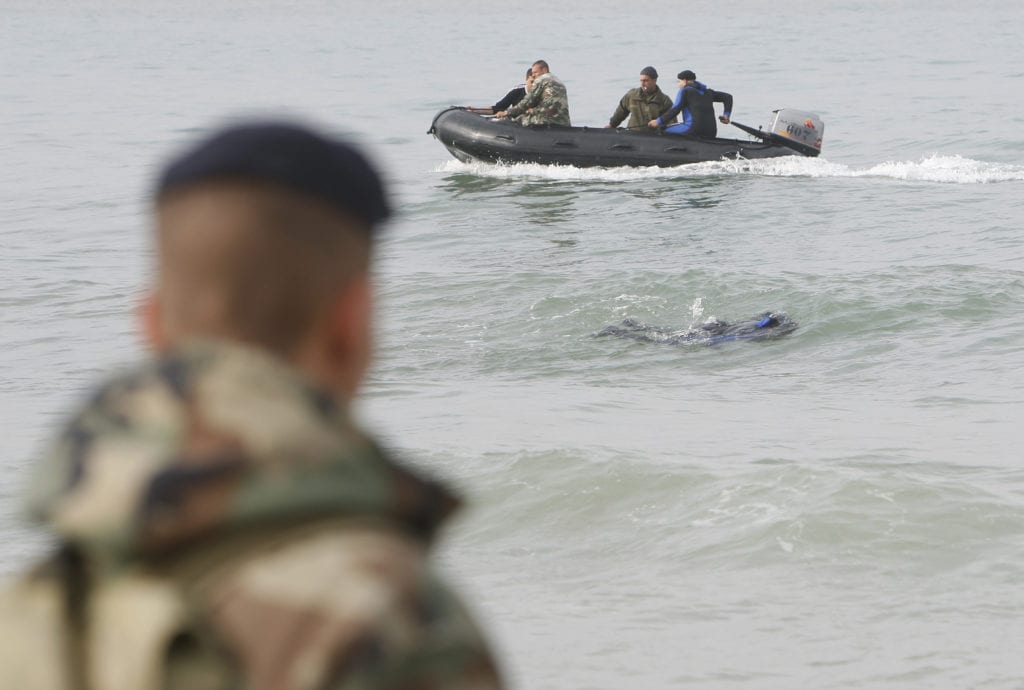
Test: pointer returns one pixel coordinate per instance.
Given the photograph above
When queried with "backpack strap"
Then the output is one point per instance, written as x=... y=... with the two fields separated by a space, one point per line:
x=63 y=628
x=37 y=649
x=72 y=579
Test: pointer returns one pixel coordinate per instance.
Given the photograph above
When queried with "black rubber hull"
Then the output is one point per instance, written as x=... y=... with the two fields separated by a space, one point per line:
x=470 y=137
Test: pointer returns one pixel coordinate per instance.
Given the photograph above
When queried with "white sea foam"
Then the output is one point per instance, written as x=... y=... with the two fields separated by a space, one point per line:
x=951 y=169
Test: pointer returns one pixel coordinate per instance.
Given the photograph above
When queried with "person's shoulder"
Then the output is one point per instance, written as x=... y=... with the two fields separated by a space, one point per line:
x=554 y=84
x=360 y=592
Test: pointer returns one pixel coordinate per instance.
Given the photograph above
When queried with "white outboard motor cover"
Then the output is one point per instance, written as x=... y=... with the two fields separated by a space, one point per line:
x=800 y=126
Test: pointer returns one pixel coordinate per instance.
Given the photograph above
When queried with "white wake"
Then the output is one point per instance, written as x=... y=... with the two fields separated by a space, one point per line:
x=935 y=168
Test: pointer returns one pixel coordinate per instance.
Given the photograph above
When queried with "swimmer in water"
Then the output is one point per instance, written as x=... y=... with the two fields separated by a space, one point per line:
x=765 y=326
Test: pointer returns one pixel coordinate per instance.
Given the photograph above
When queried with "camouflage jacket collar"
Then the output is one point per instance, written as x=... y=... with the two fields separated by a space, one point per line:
x=211 y=439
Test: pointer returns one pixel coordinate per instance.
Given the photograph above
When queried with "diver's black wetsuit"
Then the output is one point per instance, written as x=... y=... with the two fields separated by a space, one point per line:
x=696 y=102
x=762 y=327
x=510 y=99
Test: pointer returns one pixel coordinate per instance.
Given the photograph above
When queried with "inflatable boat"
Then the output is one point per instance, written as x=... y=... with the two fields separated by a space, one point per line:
x=471 y=138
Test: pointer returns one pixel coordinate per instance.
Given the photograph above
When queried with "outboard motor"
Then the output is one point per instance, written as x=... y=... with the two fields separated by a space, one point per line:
x=804 y=131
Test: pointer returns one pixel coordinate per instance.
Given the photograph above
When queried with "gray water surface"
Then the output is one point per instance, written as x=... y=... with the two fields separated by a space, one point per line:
x=839 y=508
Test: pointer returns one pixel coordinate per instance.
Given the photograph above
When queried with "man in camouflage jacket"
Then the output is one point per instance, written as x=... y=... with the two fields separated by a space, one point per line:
x=546 y=103
x=220 y=522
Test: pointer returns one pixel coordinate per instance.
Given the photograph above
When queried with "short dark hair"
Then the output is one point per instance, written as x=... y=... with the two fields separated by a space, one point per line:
x=541 y=63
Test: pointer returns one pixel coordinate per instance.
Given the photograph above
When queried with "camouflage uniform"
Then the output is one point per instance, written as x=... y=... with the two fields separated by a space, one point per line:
x=225 y=526
x=641 y=106
x=548 y=101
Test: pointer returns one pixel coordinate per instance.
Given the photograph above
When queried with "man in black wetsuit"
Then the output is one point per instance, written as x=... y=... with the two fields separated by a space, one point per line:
x=765 y=326
x=695 y=102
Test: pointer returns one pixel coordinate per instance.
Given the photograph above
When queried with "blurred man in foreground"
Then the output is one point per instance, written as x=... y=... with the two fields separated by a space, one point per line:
x=220 y=522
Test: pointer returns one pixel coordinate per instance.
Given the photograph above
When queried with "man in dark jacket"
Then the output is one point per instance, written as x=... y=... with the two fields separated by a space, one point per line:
x=514 y=95
x=695 y=102
x=643 y=103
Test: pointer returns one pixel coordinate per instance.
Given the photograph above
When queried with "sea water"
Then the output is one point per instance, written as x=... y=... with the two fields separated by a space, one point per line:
x=839 y=508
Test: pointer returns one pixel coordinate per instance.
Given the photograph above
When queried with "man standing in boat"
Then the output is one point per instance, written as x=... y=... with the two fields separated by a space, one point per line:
x=643 y=103
x=546 y=103
x=696 y=103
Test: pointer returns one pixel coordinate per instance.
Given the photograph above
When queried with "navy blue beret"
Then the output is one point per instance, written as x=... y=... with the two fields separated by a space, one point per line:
x=288 y=154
